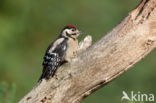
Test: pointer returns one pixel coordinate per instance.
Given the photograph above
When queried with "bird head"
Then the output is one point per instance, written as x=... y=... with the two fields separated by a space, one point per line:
x=70 y=31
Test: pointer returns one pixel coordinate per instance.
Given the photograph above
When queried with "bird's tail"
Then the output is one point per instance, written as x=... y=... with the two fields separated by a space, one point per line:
x=47 y=73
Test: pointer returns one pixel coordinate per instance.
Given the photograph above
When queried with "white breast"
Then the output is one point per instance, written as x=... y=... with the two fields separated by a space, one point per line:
x=72 y=49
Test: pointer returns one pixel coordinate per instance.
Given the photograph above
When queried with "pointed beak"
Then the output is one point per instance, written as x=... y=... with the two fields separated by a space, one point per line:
x=80 y=32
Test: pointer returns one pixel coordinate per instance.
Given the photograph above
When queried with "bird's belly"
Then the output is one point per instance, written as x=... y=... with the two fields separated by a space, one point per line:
x=71 y=51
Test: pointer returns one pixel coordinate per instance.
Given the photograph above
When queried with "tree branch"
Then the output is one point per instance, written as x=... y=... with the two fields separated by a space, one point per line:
x=104 y=61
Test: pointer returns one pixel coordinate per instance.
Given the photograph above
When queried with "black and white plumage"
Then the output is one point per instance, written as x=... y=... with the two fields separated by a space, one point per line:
x=60 y=51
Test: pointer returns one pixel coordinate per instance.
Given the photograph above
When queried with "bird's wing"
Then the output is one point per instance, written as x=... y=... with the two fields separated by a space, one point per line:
x=54 y=58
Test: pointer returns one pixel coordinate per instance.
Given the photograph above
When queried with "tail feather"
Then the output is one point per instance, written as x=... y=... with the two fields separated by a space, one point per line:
x=47 y=73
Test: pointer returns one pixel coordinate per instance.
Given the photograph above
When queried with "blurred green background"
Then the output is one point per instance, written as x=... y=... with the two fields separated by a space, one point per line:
x=28 y=26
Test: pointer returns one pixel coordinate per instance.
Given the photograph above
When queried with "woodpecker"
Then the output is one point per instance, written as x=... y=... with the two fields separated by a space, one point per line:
x=60 y=51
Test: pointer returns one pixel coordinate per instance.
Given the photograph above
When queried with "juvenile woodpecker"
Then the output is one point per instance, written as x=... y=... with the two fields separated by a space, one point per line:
x=60 y=51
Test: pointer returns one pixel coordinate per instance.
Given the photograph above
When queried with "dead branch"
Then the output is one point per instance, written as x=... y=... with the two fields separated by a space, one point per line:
x=104 y=61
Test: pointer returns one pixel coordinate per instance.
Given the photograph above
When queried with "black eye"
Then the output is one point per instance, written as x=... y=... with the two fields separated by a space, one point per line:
x=73 y=29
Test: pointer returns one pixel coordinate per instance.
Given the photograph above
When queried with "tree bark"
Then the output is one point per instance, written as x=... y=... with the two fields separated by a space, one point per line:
x=108 y=58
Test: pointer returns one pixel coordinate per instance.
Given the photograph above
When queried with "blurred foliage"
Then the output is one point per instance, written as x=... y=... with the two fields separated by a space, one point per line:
x=28 y=26
x=7 y=92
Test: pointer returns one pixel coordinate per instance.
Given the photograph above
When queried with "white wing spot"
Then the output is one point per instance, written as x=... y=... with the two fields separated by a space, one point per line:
x=64 y=47
x=54 y=54
x=55 y=44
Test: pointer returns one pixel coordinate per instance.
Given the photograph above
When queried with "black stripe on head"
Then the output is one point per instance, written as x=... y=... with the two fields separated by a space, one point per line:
x=70 y=36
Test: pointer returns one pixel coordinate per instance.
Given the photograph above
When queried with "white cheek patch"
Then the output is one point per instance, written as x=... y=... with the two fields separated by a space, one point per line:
x=68 y=31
